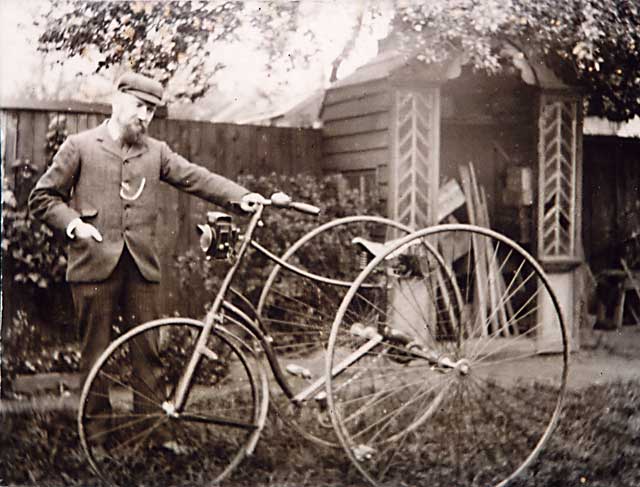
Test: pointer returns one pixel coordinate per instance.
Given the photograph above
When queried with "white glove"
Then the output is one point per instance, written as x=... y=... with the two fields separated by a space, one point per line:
x=250 y=200
x=80 y=229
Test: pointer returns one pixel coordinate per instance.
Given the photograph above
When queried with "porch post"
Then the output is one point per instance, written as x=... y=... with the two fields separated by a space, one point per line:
x=559 y=246
x=414 y=169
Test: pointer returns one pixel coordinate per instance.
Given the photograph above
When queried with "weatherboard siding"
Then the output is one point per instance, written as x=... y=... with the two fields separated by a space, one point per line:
x=355 y=134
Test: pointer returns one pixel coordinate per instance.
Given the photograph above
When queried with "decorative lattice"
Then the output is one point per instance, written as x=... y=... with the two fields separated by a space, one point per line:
x=415 y=167
x=558 y=164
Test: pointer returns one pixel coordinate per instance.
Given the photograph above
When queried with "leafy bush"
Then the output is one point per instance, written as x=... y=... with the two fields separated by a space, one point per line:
x=33 y=271
x=26 y=350
x=281 y=229
x=34 y=256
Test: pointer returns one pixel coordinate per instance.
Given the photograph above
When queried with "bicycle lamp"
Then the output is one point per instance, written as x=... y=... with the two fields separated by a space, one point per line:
x=218 y=236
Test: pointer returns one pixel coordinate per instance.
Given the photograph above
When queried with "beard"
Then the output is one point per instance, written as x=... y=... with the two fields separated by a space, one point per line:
x=133 y=132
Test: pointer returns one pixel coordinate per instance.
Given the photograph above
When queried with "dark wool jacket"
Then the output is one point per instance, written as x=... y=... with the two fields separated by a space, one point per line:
x=85 y=181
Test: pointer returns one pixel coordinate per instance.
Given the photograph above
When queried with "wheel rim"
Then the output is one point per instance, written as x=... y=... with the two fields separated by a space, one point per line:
x=297 y=312
x=131 y=432
x=482 y=417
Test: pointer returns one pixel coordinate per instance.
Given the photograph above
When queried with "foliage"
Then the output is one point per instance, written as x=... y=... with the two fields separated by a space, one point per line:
x=594 y=43
x=26 y=350
x=166 y=39
x=281 y=229
x=33 y=255
x=57 y=133
x=35 y=259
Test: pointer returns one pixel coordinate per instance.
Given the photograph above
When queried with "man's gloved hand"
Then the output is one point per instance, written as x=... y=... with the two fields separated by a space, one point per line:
x=80 y=229
x=250 y=200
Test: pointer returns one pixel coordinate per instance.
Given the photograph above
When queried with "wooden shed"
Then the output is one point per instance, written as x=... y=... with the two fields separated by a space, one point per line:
x=407 y=128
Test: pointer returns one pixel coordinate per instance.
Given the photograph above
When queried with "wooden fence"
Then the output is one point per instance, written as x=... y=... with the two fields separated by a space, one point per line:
x=226 y=149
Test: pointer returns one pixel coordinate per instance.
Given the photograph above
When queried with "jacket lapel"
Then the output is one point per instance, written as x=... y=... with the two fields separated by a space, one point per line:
x=106 y=142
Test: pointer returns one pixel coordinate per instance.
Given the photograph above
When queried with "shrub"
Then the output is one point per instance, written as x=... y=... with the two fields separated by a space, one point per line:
x=281 y=230
x=33 y=270
x=34 y=256
x=25 y=350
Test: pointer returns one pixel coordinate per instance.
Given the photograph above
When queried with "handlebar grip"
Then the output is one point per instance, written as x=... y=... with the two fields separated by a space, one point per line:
x=304 y=208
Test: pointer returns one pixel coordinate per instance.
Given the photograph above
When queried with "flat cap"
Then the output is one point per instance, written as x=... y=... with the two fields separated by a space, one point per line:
x=140 y=86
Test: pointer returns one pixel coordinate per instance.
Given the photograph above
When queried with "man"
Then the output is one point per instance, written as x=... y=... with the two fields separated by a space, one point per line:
x=102 y=191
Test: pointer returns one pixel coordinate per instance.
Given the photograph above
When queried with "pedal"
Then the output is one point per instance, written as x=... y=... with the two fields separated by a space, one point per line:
x=321 y=400
x=299 y=371
x=368 y=332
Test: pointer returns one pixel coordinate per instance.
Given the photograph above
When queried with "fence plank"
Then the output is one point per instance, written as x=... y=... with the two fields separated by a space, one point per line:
x=167 y=231
x=198 y=206
x=229 y=151
x=263 y=159
x=221 y=149
x=41 y=123
x=25 y=136
x=235 y=154
x=208 y=146
x=83 y=122
x=279 y=155
x=247 y=148
x=93 y=120
x=298 y=156
x=311 y=143
x=180 y=136
x=72 y=123
x=287 y=152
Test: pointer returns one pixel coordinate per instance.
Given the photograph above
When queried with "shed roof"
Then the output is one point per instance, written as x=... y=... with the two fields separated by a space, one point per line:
x=393 y=64
x=379 y=67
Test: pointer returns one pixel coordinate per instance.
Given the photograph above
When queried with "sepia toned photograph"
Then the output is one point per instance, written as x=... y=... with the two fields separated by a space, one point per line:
x=320 y=243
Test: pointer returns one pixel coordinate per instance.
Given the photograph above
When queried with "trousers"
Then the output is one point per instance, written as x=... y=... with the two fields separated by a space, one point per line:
x=98 y=307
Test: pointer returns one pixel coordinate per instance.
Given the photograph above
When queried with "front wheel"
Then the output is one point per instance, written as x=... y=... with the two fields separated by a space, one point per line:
x=447 y=367
x=130 y=429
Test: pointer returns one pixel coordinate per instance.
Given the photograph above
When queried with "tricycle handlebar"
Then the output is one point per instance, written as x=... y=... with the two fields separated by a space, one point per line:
x=283 y=200
x=304 y=208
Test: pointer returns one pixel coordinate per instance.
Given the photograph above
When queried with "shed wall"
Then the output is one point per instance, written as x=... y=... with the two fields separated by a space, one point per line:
x=355 y=135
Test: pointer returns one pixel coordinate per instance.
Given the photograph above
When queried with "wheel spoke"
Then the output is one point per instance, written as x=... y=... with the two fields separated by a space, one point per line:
x=217 y=420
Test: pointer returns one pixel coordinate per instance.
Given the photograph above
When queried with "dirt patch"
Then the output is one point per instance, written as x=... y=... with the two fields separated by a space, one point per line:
x=606 y=357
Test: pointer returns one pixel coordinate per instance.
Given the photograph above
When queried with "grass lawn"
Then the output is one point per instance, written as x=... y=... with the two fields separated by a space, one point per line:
x=597 y=444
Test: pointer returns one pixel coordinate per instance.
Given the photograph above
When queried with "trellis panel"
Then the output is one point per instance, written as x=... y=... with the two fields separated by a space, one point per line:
x=414 y=171
x=558 y=177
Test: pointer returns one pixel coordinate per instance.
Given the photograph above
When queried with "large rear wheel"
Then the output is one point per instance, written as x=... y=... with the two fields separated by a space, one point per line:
x=456 y=360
